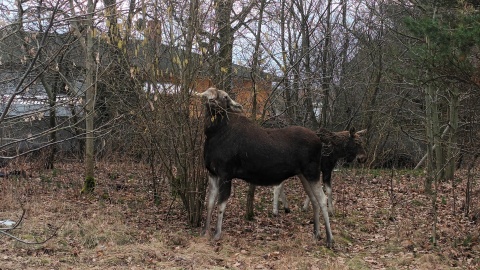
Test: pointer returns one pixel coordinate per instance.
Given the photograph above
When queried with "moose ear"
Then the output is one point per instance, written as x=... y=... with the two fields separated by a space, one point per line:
x=235 y=106
x=210 y=93
x=352 y=131
x=362 y=132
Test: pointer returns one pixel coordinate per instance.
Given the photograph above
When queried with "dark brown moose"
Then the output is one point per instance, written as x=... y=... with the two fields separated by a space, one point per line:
x=235 y=147
x=345 y=145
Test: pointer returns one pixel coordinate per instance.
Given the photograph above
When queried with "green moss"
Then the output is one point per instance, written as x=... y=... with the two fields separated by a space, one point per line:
x=88 y=185
x=249 y=216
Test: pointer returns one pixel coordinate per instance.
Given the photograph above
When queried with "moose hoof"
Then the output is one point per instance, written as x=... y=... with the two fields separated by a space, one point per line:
x=205 y=233
x=217 y=236
x=287 y=210
x=330 y=244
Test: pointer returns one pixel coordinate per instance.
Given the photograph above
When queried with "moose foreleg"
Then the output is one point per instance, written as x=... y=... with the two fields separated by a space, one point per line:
x=276 y=193
x=212 y=197
x=307 y=186
x=225 y=190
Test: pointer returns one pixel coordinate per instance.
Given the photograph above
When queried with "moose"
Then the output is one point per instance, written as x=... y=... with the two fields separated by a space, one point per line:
x=345 y=145
x=236 y=147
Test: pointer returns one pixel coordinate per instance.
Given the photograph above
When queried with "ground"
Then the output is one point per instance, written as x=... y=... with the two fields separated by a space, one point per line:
x=383 y=220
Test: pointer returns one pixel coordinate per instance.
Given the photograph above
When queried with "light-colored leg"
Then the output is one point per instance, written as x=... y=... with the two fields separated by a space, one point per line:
x=221 y=211
x=322 y=201
x=328 y=188
x=316 y=208
x=283 y=198
x=279 y=196
x=212 y=197
x=306 y=203
x=331 y=209
x=224 y=191
x=276 y=193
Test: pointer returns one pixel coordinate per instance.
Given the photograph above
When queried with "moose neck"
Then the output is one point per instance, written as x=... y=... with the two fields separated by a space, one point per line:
x=215 y=119
x=337 y=140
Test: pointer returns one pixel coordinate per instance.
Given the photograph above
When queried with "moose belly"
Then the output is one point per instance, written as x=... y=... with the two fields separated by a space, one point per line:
x=264 y=176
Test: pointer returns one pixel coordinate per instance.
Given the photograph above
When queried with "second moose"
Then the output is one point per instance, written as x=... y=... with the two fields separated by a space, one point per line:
x=345 y=145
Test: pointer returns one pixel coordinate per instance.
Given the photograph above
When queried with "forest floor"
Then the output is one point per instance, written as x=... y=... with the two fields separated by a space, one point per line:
x=383 y=220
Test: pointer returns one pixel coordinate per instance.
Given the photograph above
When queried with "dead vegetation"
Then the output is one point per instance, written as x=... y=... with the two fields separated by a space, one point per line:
x=381 y=222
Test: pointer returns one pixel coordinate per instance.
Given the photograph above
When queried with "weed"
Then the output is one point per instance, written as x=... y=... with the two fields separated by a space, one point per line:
x=344 y=238
x=117 y=230
x=358 y=263
x=113 y=175
x=46 y=179
x=417 y=203
x=90 y=241
x=375 y=172
x=123 y=239
x=467 y=241
x=260 y=207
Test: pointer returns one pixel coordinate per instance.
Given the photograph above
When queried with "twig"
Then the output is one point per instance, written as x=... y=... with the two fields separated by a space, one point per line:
x=27 y=242
x=5 y=231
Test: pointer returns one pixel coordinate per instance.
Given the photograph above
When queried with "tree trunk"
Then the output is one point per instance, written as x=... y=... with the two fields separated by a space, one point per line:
x=452 y=139
x=194 y=182
x=223 y=79
x=286 y=65
x=89 y=183
x=249 y=213
x=433 y=148
x=436 y=135
x=325 y=68
x=468 y=190
x=253 y=74
x=432 y=172
x=430 y=140
x=52 y=149
x=309 y=117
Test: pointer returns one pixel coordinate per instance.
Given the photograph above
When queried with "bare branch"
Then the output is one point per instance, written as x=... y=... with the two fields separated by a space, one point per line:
x=6 y=231
x=16 y=223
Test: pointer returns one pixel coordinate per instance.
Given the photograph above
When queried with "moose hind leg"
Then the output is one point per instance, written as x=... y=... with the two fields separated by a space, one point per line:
x=322 y=201
x=225 y=191
x=327 y=182
x=279 y=196
x=328 y=189
x=306 y=203
x=212 y=196
x=316 y=209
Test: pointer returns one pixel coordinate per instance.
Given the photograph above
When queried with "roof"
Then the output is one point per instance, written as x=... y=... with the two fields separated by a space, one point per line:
x=37 y=107
x=33 y=102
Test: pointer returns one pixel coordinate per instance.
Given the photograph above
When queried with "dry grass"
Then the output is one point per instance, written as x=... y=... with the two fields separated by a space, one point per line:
x=119 y=227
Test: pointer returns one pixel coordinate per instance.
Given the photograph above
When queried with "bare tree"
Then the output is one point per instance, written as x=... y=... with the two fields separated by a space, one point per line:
x=254 y=76
x=326 y=62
